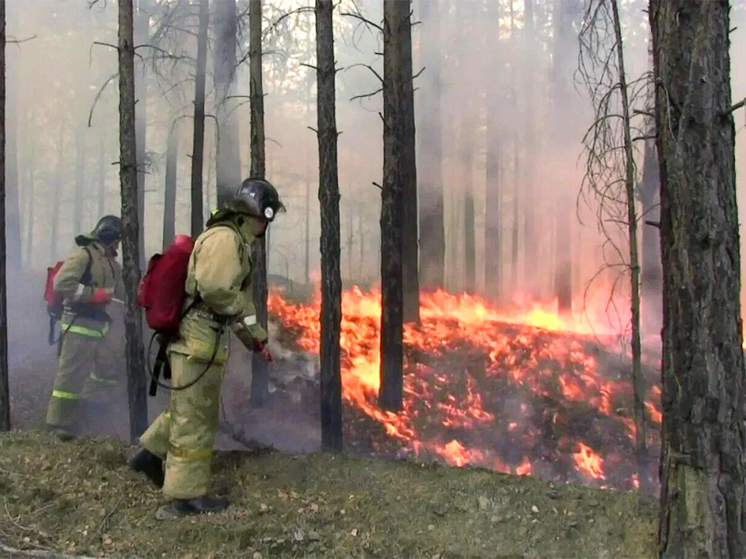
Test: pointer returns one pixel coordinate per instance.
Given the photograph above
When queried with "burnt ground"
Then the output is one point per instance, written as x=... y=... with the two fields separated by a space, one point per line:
x=79 y=498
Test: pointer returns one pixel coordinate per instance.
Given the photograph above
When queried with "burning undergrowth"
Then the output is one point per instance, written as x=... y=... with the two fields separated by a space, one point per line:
x=523 y=392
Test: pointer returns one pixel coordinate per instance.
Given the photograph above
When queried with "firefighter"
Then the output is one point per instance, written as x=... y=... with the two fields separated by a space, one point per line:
x=219 y=298
x=86 y=374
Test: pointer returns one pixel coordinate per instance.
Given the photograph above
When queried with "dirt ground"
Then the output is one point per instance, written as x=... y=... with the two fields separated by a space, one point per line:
x=79 y=498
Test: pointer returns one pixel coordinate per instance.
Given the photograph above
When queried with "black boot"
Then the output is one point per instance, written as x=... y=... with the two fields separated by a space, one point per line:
x=186 y=507
x=149 y=464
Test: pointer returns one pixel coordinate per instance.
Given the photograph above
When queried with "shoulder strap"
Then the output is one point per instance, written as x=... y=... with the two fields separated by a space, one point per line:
x=86 y=278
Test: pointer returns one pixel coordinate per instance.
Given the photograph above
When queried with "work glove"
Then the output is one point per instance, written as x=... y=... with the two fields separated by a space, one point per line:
x=102 y=296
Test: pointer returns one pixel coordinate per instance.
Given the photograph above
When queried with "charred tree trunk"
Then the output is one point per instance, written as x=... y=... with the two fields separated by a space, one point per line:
x=259 y=369
x=169 y=199
x=652 y=273
x=410 y=243
x=228 y=155
x=198 y=140
x=4 y=377
x=331 y=282
x=12 y=207
x=702 y=459
x=392 y=215
x=141 y=37
x=638 y=386
x=431 y=207
x=138 y=408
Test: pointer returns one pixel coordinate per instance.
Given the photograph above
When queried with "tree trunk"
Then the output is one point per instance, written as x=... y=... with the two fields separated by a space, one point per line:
x=652 y=273
x=259 y=369
x=530 y=252
x=638 y=385
x=702 y=459
x=516 y=230
x=12 y=208
x=331 y=282
x=102 y=165
x=138 y=408
x=4 y=377
x=30 y=209
x=466 y=160
x=79 y=184
x=493 y=193
x=410 y=242
x=392 y=215
x=169 y=199
x=57 y=182
x=198 y=140
x=142 y=37
x=431 y=207
x=228 y=154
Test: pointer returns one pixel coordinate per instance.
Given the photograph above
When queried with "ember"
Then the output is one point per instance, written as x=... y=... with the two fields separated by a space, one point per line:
x=527 y=392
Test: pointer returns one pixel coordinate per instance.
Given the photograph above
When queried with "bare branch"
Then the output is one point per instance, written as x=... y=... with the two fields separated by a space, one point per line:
x=369 y=67
x=367 y=95
x=362 y=19
x=98 y=96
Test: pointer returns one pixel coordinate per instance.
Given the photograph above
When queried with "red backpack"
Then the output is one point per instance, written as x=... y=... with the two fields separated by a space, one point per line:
x=53 y=299
x=162 y=291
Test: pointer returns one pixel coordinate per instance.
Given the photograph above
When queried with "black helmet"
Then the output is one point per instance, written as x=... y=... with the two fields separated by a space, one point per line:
x=108 y=230
x=258 y=198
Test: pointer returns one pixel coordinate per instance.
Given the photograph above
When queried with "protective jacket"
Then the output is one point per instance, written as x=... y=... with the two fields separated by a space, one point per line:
x=80 y=315
x=219 y=297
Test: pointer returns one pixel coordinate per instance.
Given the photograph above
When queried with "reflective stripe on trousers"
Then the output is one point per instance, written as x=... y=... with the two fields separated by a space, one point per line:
x=108 y=382
x=83 y=330
x=62 y=395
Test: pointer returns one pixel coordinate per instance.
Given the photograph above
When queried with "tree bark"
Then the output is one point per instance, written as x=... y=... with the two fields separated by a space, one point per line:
x=392 y=215
x=198 y=140
x=141 y=37
x=228 y=154
x=331 y=282
x=702 y=458
x=169 y=199
x=138 y=409
x=4 y=377
x=259 y=369
x=431 y=207
x=638 y=385
x=410 y=241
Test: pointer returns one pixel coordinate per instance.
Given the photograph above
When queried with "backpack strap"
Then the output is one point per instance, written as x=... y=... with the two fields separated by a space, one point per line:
x=85 y=279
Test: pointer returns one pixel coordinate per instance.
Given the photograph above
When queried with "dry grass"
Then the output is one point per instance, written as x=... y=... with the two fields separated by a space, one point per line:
x=79 y=498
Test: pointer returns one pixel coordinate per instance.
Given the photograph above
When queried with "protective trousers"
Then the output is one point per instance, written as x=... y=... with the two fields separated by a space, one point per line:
x=86 y=371
x=184 y=433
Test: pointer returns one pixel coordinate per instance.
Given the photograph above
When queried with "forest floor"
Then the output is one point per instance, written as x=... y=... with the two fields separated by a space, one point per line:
x=79 y=498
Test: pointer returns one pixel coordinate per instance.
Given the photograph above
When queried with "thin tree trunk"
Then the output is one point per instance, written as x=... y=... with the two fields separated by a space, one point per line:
x=30 y=210
x=466 y=149
x=410 y=246
x=142 y=37
x=12 y=207
x=138 y=408
x=392 y=215
x=169 y=199
x=259 y=369
x=198 y=140
x=702 y=460
x=227 y=155
x=530 y=252
x=516 y=230
x=102 y=174
x=331 y=282
x=431 y=206
x=638 y=385
x=79 y=184
x=57 y=182
x=4 y=376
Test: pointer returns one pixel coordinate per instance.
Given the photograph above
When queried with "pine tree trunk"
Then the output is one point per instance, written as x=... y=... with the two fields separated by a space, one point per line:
x=259 y=368
x=102 y=165
x=702 y=460
x=410 y=242
x=12 y=186
x=198 y=140
x=392 y=215
x=331 y=282
x=638 y=385
x=135 y=354
x=141 y=37
x=431 y=206
x=228 y=155
x=169 y=199
x=4 y=377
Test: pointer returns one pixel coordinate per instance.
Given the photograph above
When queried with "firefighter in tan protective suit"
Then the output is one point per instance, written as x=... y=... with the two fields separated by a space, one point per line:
x=88 y=279
x=219 y=297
